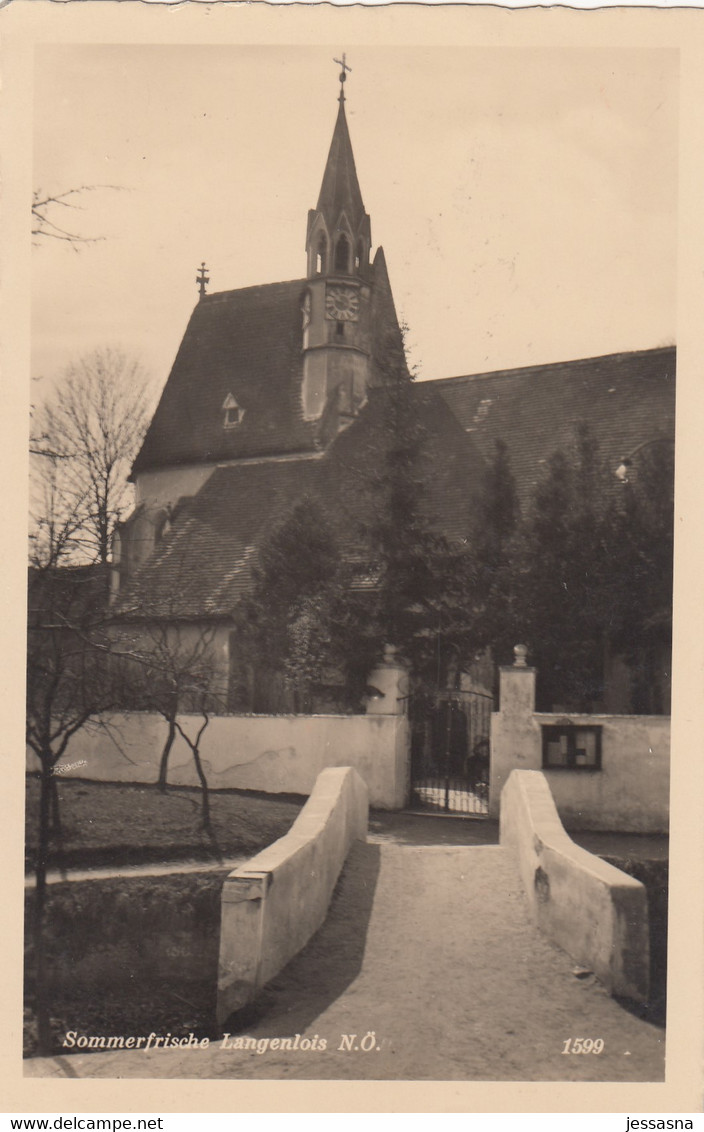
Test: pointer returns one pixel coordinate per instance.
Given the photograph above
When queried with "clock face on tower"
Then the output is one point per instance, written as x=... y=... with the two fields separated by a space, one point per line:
x=342 y=303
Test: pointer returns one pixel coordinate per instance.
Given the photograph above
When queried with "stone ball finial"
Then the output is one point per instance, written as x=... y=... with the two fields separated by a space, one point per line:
x=520 y=652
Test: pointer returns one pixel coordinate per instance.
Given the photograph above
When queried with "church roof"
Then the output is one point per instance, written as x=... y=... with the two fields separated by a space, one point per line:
x=627 y=399
x=245 y=344
x=204 y=564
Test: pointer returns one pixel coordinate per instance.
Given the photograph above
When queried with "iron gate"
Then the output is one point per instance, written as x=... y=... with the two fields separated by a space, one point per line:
x=450 y=752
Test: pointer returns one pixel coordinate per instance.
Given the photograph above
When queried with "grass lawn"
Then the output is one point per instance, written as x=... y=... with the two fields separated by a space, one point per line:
x=122 y=824
x=134 y=952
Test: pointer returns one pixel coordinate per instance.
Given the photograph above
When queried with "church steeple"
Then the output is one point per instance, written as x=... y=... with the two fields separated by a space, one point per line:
x=336 y=304
x=339 y=230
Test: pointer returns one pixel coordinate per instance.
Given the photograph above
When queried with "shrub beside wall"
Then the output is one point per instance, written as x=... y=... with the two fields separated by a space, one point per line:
x=654 y=875
x=129 y=955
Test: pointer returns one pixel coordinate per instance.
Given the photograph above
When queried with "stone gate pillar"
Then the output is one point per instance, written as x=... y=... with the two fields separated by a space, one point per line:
x=515 y=738
x=388 y=684
x=517 y=685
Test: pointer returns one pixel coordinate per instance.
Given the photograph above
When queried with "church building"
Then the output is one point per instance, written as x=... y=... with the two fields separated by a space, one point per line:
x=273 y=396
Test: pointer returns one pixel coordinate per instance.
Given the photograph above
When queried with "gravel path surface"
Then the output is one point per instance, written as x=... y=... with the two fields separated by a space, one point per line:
x=428 y=956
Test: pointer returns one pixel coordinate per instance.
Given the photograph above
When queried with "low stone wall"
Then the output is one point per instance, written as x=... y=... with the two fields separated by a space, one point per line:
x=280 y=754
x=595 y=912
x=274 y=904
x=630 y=791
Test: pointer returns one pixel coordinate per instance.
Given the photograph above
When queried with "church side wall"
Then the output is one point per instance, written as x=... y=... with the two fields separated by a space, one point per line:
x=275 y=754
x=165 y=487
x=180 y=644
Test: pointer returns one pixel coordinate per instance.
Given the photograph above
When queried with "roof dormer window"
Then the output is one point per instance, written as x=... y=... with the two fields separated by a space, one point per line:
x=483 y=410
x=232 y=413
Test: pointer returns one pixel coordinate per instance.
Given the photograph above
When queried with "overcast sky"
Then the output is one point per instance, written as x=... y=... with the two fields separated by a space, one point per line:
x=525 y=198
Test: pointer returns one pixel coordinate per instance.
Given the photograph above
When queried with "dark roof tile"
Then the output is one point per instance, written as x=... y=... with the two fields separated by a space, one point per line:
x=204 y=565
x=246 y=343
x=627 y=399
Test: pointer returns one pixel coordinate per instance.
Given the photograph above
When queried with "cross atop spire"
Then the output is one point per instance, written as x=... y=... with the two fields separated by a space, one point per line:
x=343 y=76
x=202 y=279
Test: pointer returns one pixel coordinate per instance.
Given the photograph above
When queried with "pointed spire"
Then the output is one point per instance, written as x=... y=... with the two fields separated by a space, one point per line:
x=339 y=234
x=340 y=189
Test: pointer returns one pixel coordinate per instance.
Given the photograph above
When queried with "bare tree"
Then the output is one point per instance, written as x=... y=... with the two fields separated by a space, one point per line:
x=57 y=512
x=71 y=680
x=82 y=667
x=173 y=673
x=83 y=441
x=47 y=206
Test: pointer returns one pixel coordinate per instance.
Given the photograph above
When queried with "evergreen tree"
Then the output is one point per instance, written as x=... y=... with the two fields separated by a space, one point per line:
x=494 y=552
x=422 y=598
x=563 y=588
x=282 y=634
x=331 y=593
x=642 y=575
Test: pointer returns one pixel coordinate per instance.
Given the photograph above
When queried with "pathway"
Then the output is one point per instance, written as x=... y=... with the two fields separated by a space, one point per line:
x=429 y=957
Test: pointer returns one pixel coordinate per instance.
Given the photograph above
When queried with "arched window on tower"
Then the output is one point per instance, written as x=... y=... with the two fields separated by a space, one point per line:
x=342 y=254
x=320 y=255
x=359 y=255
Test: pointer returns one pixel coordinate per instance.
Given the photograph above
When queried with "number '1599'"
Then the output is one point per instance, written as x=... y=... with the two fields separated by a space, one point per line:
x=583 y=1045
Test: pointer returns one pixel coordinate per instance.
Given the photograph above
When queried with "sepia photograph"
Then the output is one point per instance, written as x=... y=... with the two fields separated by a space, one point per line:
x=350 y=562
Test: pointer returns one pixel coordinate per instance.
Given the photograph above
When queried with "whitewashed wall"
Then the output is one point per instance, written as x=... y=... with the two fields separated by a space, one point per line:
x=275 y=754
x=631 y=791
